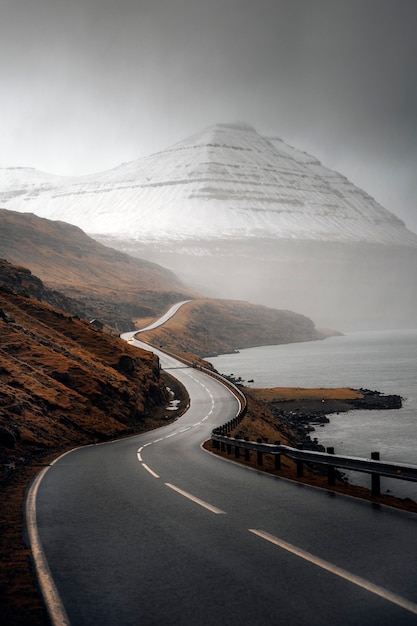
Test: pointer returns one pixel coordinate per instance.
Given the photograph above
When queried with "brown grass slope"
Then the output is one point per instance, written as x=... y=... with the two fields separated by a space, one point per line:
x=107 y=283
x=62 y=382
x=208 y=327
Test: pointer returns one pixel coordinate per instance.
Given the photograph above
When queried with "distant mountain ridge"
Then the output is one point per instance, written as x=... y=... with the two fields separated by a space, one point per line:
x=225 y=182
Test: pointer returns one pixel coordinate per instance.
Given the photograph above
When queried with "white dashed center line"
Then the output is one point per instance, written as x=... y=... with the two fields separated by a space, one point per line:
x=148 y=469
x=202 y=503
x=338 y=571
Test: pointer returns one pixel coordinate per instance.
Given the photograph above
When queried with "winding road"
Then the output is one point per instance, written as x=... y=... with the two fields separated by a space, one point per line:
x=154 y=530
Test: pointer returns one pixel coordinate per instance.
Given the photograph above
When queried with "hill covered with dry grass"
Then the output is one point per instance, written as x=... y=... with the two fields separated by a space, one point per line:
x=100 y=281
x=63 y=382
x=207 y=327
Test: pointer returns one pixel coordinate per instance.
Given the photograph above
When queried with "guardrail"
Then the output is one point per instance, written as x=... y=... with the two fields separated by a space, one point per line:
x=220 y=438
x=234 y=388
x=372 y=466
x=243 y=403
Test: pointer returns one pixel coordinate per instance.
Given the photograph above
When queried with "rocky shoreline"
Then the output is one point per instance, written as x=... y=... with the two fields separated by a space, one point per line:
x=302 y=417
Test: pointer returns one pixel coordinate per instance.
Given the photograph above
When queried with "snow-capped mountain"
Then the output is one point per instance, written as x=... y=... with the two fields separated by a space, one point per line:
x=226 y=182
x=238 y=215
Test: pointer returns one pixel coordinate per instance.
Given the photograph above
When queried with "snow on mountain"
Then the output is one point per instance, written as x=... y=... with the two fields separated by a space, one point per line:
x=226 y=182
x=237 y=215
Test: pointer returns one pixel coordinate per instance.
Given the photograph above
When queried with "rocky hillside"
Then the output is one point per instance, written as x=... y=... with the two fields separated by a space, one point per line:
x=210 y=327
x=63 y=382
x=98 y=281
x=21 y=280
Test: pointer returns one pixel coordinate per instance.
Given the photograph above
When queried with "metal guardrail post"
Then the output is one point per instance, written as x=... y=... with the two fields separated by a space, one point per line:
x=247 y=451
x=329 y=459
x=237 y=449
x=277 y=457
x=300 y=464
x=376 y=478
x=331 y=470
x=259 y=458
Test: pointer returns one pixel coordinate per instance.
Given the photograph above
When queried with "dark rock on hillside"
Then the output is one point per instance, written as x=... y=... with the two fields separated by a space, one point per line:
x=126 y=364
x=21 y=280
x=7 y=438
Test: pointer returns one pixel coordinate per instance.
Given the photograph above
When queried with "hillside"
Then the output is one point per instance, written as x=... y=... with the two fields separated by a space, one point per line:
x=209 y=327
x=98 y=280
x=62 y=382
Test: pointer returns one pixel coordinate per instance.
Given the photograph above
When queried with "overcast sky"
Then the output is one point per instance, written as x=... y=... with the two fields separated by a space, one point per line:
x=88 y=84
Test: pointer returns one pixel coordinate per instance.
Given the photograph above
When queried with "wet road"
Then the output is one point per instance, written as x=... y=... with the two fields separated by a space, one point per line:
x=154 y=530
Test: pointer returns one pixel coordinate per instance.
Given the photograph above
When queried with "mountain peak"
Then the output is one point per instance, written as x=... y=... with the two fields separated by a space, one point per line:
x=226 y=182
x=235 y=126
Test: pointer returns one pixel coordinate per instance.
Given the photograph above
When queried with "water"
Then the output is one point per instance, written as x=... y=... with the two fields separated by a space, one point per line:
x=385 y=361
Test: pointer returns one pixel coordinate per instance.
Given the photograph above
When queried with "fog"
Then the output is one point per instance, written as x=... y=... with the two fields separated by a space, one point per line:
x=342 y=286
x=89 y=84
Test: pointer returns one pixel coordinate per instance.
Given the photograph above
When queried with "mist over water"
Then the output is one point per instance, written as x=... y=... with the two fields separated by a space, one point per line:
x=344 y=286
x=385 y=361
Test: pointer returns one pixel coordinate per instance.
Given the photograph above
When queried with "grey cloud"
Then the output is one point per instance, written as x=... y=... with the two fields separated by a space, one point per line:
x=88 y=84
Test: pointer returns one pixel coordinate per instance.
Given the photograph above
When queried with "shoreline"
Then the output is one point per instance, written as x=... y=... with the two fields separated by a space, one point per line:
x=300 y=410
x=303 y=417
x=288 y=416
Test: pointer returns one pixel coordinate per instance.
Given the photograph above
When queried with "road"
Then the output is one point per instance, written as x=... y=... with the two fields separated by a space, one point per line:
x=154 y=530
x=161 y=320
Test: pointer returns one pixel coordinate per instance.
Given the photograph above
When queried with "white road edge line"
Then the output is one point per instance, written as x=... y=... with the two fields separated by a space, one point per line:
x=53 y=602
x=338 y=571
x=148 y=469
x=206 y=505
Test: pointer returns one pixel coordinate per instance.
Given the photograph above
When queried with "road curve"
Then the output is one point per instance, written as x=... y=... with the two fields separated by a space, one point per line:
x=161 y=320
x=154 y=530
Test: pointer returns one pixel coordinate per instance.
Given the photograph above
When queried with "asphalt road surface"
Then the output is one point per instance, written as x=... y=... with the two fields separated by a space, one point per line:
x=154 y=530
